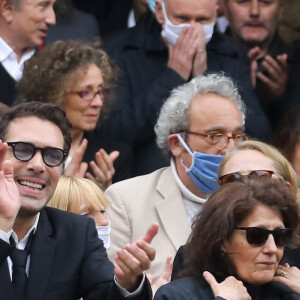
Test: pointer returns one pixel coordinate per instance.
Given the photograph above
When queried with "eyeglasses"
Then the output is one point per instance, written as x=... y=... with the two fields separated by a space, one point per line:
x=88 y=94
x=221 y=140
x=258 y=236
x=232 y=177
x=52 y=157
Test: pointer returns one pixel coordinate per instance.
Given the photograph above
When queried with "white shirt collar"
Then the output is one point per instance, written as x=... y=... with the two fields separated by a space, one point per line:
x=9 y=60
x=22 y=244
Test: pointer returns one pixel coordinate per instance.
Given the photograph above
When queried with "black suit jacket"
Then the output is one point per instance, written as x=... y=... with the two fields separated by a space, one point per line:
x=7 y=87
x=67 y=262
x=192 y=289
x=146 y=82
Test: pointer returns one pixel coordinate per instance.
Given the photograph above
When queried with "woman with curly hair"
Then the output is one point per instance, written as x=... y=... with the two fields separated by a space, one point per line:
x=77 y=77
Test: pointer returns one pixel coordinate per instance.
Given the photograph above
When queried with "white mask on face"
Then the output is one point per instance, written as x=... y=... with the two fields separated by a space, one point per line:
x=172 y=32
x=104 y=234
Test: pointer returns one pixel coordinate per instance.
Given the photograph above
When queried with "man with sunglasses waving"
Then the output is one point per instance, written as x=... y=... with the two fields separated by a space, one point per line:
x=197 y=124
x=46 y=253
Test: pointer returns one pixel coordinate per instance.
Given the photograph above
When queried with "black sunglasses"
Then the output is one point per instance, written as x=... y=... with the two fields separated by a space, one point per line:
x=258 y=235
x=52 y=157
x=232 y=177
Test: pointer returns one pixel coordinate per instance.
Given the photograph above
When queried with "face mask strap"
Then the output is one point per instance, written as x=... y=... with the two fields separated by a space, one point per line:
x=184 y=144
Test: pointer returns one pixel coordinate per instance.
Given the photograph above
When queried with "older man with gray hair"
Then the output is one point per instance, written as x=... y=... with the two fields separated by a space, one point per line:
x=23 y=28
x=197 y=124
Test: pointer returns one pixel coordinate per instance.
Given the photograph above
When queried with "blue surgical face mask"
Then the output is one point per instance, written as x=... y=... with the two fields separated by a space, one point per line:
x=151 y=5
x=172 y=32
x=204 y=169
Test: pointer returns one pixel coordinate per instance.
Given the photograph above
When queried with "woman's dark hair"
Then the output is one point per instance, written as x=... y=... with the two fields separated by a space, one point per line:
x=47 y=74
x=44 y=111
x=223 y=212
x=287 y=134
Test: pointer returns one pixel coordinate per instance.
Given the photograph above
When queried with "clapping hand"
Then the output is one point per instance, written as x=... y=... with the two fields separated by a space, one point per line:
x=134 y=259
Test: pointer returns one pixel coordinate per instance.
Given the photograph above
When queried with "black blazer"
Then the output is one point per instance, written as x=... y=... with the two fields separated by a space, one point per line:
x=67 y=262
x=191 y=289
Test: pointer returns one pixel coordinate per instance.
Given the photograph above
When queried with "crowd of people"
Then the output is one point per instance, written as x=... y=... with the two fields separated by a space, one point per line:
x=149 y=149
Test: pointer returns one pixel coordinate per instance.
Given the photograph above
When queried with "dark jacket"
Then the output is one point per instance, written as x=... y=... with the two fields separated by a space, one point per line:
x=67 y=262
x=7 y=87
x=146 y=82
x=191 y=289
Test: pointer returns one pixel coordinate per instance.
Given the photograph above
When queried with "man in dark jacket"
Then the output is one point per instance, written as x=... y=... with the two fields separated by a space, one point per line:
x=151 y=66
x=46 y=253
x=274 y=69
x=23 y=28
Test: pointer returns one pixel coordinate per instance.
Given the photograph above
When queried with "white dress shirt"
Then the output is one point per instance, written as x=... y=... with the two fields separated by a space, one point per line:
x=9 y=60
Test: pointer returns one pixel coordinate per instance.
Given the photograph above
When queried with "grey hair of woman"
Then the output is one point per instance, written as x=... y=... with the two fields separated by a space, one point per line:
x=173 y=117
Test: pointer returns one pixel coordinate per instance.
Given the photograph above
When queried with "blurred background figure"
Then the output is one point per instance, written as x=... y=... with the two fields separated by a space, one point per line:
x=72 y=24
x=237 y=242
x=287 y=138
x=84 y=197
x=23 y=28
x=78 y=77
x=274 y=69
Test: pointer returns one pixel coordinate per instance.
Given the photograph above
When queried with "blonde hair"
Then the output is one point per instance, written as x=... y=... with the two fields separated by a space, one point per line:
x=280 y=163
x=75 y=194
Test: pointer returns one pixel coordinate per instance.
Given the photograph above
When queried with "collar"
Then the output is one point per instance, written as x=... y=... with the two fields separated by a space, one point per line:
x=5 y=50
x=186 y=193
x=21 y=244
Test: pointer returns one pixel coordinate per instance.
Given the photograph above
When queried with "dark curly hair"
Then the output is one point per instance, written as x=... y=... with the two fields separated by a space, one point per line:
x=47 y=74
x=225 y=209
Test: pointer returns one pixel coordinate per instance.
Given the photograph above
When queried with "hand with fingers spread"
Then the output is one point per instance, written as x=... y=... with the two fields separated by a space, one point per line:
x=134 y=259
x=76 y=167
x=165 y=276
x=182 y=55
x=253 y=55
x=103 y=168
x=9 y=194
x=229 y=289
x=276 y=77
x=289 y=276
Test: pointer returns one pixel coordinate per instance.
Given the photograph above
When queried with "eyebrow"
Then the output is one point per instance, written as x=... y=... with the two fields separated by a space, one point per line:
x=224 y=130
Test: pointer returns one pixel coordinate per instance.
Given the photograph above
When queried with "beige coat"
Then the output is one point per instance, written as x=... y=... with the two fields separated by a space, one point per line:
x=138 y=202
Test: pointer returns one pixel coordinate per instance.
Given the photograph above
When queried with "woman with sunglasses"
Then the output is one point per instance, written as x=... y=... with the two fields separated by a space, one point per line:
x=237 y=242
x=78 y=77
x=254 y=158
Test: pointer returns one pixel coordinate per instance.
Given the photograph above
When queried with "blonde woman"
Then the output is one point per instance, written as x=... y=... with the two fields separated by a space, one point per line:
x=83 y=196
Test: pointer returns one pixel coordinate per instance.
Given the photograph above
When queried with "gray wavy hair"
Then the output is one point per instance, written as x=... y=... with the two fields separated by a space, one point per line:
x=173 y=117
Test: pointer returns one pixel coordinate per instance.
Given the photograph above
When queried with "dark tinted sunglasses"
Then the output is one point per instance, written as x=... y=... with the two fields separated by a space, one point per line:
x=258 y=235
x=237 y=176
x=52 y=157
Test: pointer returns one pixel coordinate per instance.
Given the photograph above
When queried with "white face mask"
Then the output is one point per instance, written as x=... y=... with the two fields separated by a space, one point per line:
x=171 y=32
x=104 y=234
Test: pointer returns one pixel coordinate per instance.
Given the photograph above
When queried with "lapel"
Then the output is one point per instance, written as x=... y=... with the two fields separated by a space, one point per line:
x=6 y=290
x=41 y=258
x=171 y=210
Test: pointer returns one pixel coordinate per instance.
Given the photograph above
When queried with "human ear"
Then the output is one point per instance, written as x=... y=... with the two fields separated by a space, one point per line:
x=175 y=145
x=6 y=10
x=158 y=12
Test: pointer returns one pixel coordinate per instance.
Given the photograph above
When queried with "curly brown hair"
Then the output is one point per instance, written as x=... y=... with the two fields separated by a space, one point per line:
x=47 y=74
